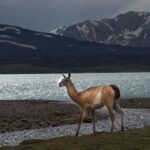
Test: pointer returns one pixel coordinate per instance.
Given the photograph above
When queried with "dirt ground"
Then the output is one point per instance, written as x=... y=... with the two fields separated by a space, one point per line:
x=29 y=114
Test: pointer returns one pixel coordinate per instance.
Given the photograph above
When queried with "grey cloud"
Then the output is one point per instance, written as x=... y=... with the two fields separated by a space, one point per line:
x=141 y=5
x=44 y=15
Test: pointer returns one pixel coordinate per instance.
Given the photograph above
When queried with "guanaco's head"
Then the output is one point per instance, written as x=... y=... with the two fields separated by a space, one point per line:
x=65 y=80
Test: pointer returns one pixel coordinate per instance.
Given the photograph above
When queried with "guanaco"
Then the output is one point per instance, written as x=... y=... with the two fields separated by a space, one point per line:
x=93 y=98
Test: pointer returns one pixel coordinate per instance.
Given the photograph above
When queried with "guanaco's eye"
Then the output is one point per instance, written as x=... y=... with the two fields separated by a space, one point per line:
x=66 y=80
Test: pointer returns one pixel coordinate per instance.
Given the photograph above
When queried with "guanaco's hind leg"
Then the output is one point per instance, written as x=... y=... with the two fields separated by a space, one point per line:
x=120 y=112
x=109 y=104
x=112 y=117
x=82 y=116
x=93 y=120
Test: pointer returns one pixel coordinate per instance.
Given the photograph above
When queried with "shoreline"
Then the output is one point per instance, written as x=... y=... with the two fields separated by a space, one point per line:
x=134 y=118
x=34 y=114
x=124 y=102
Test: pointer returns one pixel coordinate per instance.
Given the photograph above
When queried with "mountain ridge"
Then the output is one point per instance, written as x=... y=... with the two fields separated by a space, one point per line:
x=27 y=51
x=128 y=29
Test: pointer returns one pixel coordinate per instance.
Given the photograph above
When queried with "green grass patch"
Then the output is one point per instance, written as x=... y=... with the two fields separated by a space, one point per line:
x=135 y=139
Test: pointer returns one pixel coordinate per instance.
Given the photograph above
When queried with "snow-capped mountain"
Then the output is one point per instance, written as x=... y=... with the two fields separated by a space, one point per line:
x=21 y=38
x=129 y=29
x=59 y=30
x=27 y=51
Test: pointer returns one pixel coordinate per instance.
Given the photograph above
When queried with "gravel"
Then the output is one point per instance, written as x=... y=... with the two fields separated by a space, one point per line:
x=134 y=118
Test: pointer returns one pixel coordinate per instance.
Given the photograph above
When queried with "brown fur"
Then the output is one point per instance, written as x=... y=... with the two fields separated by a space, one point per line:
x=117 y=91
x=94 y=98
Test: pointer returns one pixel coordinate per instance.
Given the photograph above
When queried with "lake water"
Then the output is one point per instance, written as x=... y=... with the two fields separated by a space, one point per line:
x=45 y=86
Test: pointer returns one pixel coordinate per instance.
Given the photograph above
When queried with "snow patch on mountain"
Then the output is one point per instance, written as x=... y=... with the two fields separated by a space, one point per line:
x=94 y=23
x=85 y=29
x=142 y=13
x=145 y=35
x=11 y=28
x=58 y=31
x=108 y=25
x=44 y=34
x=110 y=38
x=138 y=32
x=19 y=44
x=78 y=28
x=5 y=36
x=147 y=20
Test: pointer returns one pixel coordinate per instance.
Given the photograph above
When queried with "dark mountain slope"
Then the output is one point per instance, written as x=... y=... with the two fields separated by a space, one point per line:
x=26 y=51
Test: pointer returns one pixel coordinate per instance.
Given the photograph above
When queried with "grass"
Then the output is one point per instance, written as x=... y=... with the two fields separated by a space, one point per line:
x=135 y=139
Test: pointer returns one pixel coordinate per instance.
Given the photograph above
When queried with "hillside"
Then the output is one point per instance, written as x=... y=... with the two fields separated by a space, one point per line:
x=26 y=51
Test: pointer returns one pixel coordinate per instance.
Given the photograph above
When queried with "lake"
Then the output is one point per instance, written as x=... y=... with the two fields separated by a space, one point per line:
x=45 y=86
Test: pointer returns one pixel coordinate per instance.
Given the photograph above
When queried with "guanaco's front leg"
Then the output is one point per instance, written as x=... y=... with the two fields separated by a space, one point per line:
x=82 y=116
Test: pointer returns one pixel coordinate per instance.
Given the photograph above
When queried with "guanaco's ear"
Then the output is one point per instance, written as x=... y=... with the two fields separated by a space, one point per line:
x=69 y=75
x=64 y=76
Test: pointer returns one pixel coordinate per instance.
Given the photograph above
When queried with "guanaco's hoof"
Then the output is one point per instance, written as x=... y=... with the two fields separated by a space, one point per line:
x=76 y=134
x=122 y=128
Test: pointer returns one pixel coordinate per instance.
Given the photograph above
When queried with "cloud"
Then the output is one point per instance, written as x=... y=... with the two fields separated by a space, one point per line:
x=141 y=5
x=44 y=15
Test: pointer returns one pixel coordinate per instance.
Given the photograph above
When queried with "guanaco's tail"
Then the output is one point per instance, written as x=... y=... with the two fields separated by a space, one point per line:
x=117 y=91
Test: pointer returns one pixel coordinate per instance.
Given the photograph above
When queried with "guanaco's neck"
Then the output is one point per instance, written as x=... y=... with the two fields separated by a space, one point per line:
x=72 y=92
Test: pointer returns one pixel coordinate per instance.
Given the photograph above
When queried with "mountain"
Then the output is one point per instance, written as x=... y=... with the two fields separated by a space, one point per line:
x=58 y=31
x=27 y=51
x=129 y=29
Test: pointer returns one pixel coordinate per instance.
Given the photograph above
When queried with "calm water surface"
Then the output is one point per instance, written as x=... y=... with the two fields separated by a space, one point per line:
x=45 y=86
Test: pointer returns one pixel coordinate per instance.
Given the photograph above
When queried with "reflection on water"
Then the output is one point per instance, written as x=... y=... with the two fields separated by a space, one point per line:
x=45 y=86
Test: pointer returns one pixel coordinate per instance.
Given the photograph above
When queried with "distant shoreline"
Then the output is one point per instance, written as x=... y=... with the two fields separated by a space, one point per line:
x=125 y=102
x=81 y=70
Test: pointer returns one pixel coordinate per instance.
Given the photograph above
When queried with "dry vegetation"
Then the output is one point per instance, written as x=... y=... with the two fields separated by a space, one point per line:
x=137 y=139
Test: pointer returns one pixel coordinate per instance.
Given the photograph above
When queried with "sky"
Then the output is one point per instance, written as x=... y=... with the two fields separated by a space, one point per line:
x=46 y=15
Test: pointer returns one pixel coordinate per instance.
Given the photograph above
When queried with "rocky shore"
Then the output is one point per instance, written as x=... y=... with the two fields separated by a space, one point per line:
x=33 y=114
x=40 y=119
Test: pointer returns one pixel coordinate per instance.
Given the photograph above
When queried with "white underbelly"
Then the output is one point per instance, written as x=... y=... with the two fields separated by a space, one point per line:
x=97 y=102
